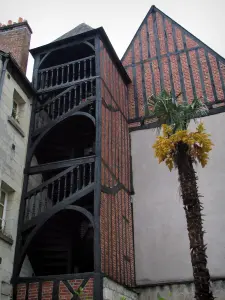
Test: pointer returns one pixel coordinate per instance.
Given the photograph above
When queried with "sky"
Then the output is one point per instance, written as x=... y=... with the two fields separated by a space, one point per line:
x=50 y=19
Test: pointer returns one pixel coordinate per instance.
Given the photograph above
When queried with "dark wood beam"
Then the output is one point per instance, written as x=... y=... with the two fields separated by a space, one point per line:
x=179 y=64
x=168 y=57
x=201 y=75
x=144 y=93
x=157 y=46
x=55 y=277
x=151 y=59
x=59 y=165
x=189 y=64
x=221 y=76
x=113 y=99
x=134 y=79
x=65 y=85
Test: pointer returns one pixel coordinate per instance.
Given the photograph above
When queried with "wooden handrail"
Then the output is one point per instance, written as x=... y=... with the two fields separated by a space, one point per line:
x=61 y=94
x=66 y=64
x=49 y=181
x=60 y=164
x=55 y=277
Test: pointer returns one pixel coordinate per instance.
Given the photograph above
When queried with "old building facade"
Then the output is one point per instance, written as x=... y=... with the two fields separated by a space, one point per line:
x=98 y=216
x=15 y=108
x=164 y=55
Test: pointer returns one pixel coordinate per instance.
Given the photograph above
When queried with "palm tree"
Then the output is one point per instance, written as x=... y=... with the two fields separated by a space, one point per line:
x=180 y=148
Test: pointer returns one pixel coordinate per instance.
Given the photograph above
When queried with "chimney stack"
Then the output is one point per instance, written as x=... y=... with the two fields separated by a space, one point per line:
x=15 y=38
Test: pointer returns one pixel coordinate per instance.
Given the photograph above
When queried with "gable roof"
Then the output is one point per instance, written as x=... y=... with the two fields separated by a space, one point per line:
x=154 y=9
x=81 y=28
x=164 y=55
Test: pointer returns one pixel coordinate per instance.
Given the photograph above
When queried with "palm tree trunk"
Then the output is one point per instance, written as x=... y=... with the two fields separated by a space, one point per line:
x=193 y=208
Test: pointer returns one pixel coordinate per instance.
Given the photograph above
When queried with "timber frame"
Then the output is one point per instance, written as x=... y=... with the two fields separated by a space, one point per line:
x=172 y=53
x=32 y=217
x=78 y=172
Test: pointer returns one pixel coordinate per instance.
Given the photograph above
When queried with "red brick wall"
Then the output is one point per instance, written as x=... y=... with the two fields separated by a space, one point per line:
x=16 y=40
x=143 y=62
x=117 y=254
x=47 y=289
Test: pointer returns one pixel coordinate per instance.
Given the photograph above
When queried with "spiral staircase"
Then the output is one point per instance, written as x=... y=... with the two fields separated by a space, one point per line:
x=58 y=201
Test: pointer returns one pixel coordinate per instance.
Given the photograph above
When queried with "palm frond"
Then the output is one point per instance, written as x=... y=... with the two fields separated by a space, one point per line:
x=178 y=115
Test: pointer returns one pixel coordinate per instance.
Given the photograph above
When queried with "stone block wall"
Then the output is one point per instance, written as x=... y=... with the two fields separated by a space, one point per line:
x=115 y=291
x=180 y=291
x=13 y=147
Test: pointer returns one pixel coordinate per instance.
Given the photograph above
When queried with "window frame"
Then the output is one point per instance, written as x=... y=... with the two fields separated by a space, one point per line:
x=20 y=106
x=3 y=219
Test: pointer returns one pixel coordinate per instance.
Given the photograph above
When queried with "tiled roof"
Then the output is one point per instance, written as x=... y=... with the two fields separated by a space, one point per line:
x=75 y=31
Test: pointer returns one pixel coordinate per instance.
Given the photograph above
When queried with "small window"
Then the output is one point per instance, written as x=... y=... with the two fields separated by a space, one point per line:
x=3 y=204
x=18 y=106
x=15 y=110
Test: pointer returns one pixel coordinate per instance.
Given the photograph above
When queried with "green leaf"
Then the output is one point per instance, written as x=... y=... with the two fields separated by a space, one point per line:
x=178 y=115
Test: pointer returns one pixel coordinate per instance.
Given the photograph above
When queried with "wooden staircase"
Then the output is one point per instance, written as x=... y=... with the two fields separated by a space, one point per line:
x=60 y=187
x=61 y=245
x=69 y=100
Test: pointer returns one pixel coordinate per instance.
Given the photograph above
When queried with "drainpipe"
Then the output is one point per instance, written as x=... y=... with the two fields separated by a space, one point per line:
x=2 y=75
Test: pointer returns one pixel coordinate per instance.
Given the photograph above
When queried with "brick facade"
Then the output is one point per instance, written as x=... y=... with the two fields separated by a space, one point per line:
x=163 y=55
x=16 y=40
x=46 y=290
x=117 y=253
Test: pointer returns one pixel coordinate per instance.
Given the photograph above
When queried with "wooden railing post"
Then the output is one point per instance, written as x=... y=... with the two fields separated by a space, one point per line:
x=56 y=107
x=59 y=187
x=65 y=73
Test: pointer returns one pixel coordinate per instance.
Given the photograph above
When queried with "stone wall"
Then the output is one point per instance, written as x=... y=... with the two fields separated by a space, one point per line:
x=13 y=147
x=115 y=291
x=179 y=291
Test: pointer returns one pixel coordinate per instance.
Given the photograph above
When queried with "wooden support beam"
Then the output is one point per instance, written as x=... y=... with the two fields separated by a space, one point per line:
x=59 y=165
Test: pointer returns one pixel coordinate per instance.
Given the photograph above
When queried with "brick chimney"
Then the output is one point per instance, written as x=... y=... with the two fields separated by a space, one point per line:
x=15 y=38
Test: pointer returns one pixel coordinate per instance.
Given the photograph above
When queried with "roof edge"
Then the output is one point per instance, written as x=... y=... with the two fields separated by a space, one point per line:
x=63 y=36
x=61 y=42
x=151 y=10
x=19 y=71
x=12 y=26
x=155 y=9
x=114 y=55
x=103 y=35
x=192 y=35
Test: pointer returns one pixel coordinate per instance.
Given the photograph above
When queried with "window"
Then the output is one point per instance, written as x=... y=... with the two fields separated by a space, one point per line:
x=17 y=107
x=3 y=204
x=15 y=110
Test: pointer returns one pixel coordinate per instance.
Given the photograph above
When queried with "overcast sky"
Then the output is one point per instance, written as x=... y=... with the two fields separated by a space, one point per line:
x=120 y=18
